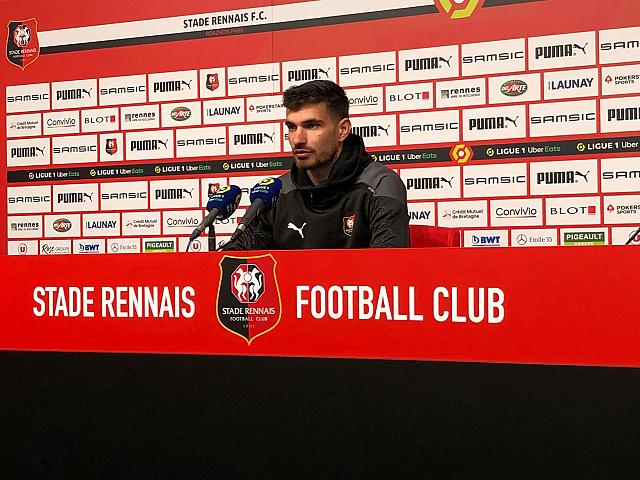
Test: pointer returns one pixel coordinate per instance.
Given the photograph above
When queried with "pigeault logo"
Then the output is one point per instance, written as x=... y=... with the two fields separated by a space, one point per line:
x=458 y=8
x=248 y=302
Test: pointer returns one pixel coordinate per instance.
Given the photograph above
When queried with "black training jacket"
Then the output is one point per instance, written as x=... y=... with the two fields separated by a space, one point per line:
x=361 y=204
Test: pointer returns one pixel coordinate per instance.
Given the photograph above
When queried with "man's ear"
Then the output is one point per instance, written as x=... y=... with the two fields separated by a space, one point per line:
x=344 y=127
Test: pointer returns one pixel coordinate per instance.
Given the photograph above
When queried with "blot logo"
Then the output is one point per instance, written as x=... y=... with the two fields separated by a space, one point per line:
x=248 y=303
x=458 y=8
x=23 y=47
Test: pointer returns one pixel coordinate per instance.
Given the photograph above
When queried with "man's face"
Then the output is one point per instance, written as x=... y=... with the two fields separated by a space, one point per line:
x=315 y=135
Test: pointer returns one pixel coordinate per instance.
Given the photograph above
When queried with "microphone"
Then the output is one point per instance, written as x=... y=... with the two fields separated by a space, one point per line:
x=633 y=236
x=221 y=205
x=262 y=196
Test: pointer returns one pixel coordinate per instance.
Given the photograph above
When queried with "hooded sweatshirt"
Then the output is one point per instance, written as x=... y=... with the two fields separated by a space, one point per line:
x=361 y=204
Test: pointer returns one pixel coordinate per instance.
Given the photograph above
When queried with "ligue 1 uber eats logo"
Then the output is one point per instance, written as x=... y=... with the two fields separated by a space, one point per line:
x=458 y=8
x=248 y=303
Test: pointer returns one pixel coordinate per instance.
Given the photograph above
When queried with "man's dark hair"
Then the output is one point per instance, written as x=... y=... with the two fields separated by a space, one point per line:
x=318 y=91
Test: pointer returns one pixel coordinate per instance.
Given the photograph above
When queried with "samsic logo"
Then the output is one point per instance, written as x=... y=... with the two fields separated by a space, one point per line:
x=252 y=139
x=456 y=9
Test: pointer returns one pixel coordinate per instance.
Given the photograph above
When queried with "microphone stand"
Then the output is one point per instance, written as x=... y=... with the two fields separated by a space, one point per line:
x=637 y=232
x=212 y=238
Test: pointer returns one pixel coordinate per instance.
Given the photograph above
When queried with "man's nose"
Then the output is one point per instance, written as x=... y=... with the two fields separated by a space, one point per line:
x=298 y=137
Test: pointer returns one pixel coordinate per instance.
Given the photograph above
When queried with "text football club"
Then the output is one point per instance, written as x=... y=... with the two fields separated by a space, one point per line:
x=248 y=303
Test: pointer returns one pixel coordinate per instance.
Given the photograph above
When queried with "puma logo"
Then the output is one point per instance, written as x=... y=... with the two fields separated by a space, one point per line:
x=299 y=230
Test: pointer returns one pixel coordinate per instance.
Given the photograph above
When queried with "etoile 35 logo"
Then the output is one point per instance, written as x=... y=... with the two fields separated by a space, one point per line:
x=458 y=8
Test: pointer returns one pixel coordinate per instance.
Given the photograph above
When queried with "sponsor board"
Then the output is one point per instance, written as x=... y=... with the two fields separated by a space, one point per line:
x=515 y=88
x=61 y=123
x=158 y=245
x=199 y=245
x=429 y=63
x=101 y=225
x=507 y=180
x=563 y=118
x=74 y=94
x=75 y=197
x=620 y=114
x=28 y=151
x=620 y=45
x=621 y=235
x=431 y=183
x=28 y=98
x=141 y=223
x=376 y=131
x=265 y=108
x=230 y=110
x=35 y=199
x=111 y=147
x=182 y=114
x=571 y=84
x=260 y=138
x=174 y=193
x=367 y=69
x=66 y=225
x=412 y=96
x=623 y=80
x=584 y=237
x=124 y=196
x=181 y=221
x=365 y=100
x=620 y=174
x=486 y=238
x=229 y=225
x=213 y=82
x=253 y=79
x=168 y=86
x=573 y=211
x=55 y=247
x=123 y=245
x=95 y=246
x=139 y=117
x=22 y=247
x=541 y=237
x=122 y=90
x=522 y=212
x=422 y=213
x=100 y=120
x=622 y=209
x=154 y=145
x=26 y=125
x=463 y=214
x=502 y=56
x=24 y=226
x=461 y=93
x=564 y=177
x=75 y=149
x=302 y=71
x=494 y=123
x=429 y=127
x=201 y=142
x=564 y=50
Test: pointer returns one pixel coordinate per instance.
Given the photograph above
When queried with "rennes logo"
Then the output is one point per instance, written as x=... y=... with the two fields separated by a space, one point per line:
x=458 y=8
x=249 y=302
x=23 y=47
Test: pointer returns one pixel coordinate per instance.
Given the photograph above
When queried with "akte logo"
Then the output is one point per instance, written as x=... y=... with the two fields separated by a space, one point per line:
x=458 y=8
x=180 y=114
x=347 y=224
x=111 y=146
x=213 y=82
x=62 y=225
x=248 y=303
x=23 y=47
x=514 y=88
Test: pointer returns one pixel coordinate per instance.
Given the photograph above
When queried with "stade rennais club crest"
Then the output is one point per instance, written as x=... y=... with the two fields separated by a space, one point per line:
x=248 y=303
x=23 y=47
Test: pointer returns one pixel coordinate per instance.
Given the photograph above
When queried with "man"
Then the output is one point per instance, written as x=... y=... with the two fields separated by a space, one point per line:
x=335 y=195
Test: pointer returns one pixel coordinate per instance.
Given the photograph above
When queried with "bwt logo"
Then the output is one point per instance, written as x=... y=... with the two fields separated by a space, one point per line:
x=89 y=248
x=171 y=86
x=247 y=283
x=554 y=178
x=486 y=240
x=308 y=74
x=252 y=138
x=75 y=197
x=173 y=193
x=561 y=51
x=147 y=145
x=428 y=183
x=371 y=131
x=430 y=63
x=26 y=152
x=73 y=94
x=492 y=123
